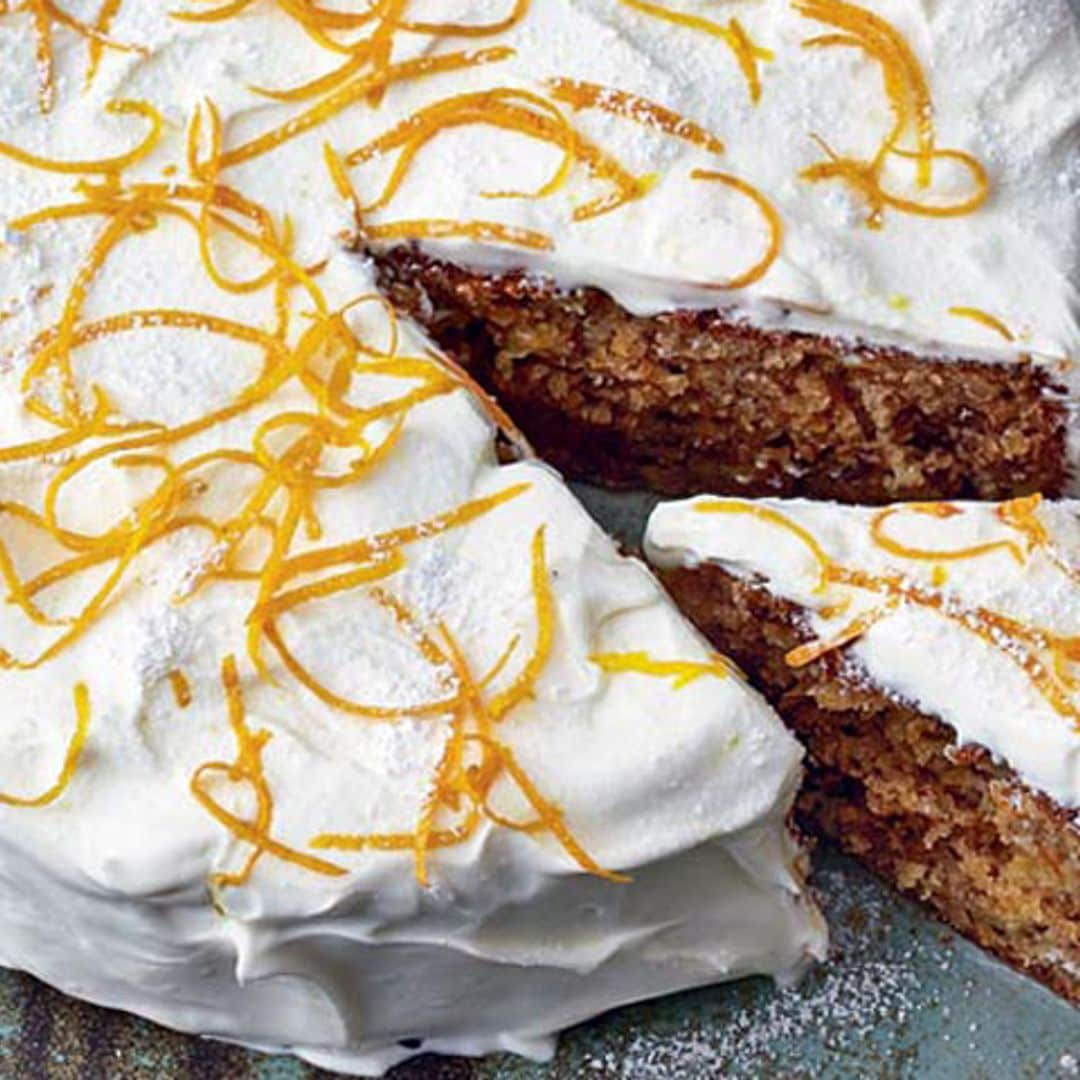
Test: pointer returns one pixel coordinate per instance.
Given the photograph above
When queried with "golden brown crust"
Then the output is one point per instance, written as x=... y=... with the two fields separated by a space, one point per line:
x=948 y=825
x=692 y=401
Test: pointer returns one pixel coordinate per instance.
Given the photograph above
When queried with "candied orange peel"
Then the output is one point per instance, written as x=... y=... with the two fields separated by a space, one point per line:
x=909 y=98
x=247 y=769
x=46 y=16
x=586 y=95
x=773 y=223
x=984 y=318
x=510 y=109
x=475 y=764
x=110 y=165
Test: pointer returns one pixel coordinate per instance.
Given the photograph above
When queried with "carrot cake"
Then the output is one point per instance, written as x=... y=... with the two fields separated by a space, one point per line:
x=926 y=655
x=313 y=712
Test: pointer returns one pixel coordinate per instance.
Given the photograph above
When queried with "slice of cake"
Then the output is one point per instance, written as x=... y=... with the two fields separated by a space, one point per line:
x=816 y=248
x=322 y=730
x=926 y=655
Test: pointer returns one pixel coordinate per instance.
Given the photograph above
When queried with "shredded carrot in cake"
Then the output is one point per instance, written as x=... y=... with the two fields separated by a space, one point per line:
x=909 y=98
x=71 y=758
x=681 y=672
x=746 y=52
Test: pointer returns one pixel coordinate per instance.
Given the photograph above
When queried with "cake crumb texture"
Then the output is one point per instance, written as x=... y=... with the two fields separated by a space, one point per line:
x=689 y=401
x=947 y=825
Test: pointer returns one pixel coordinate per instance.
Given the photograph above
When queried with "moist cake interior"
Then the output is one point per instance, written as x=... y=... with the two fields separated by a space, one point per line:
x=887 y=783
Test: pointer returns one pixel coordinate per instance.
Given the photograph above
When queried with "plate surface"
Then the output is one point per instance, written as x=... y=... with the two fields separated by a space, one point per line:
x=901 y=997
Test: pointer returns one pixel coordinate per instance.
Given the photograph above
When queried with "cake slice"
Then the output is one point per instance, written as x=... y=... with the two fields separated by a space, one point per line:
x=926 y=656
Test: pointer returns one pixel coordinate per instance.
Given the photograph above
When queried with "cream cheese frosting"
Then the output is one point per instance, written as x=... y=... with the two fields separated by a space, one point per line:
x=970 y=611
x=989 y=78
x=324 y=729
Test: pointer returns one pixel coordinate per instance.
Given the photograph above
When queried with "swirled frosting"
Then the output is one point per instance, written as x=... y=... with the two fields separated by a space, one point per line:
x=324 y=729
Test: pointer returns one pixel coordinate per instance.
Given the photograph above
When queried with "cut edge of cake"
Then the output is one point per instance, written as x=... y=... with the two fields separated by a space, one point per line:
x=700 y=399
x=930 y=808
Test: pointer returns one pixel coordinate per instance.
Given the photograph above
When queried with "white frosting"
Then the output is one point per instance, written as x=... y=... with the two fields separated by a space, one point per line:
x=104 y=891
x=997 y=74
x=918 y=652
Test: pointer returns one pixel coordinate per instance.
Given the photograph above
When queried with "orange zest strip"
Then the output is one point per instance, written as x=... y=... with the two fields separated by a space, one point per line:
x=548 y=812
x=984 y=318
x=503 y=107
x=524 y=686
x=71 y=758
x=458 y=781
x=587 y=95
x=508 y=109
x=45 y=14
x=912 y=107
x=445 y=228
x=381 y=45
x=218 y=14
x=681 y=672
x=356 y=90
x=772 y=517
x=96 y=46
x=905 y=83
x=43 y=54
x=181 y=688
x=99 y=165
x=447 y=29
x=1022 y=514
x=815 y=650
x=940 y=510
x=363 y=550
x=772 y=220
x=247 y=769
x=747 y=54
x=1014 y=640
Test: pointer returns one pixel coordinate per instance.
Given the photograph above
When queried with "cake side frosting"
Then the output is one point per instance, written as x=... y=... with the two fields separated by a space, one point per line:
x=313 y=710
x=968 y=610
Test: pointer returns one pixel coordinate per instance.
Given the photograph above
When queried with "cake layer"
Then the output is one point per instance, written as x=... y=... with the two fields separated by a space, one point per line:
x=691 y=400
x=923 y=653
